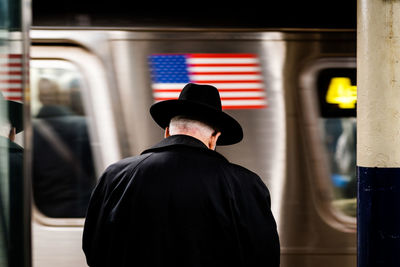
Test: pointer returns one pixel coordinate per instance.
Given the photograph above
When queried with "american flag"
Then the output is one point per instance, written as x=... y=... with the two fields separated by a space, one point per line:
x=237 y=76
x=11 y=76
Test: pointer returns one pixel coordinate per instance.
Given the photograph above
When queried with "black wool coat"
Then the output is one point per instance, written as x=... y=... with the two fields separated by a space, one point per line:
x=180 y=204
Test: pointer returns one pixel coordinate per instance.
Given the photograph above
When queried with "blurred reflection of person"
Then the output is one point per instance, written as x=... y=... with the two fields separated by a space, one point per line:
x=75 y=97
x=345 y=157
x=63 y=169
x=11 y=179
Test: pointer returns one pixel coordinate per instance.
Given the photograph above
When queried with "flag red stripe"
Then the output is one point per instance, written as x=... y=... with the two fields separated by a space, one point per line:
x=245 y=107
x=10 y=72
x=11 y=65
x=10 y=81
x=243 y=98
x=14 y=98
x=211 y=55
x=10 y=55
x=207 y=55
x=165 y=98
x=242 y=90
x=222 y=98
x=221 y=90
x=232 y=81
x=222 y=65
x=223 y=73
x=167 y=90
x=11 y=89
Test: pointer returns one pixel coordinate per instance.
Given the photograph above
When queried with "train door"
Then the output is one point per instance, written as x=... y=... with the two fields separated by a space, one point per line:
x=69 y=102
x=329 y=87
x=327 y=109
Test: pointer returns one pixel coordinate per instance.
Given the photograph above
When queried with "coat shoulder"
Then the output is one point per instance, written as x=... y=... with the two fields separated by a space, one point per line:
x=242 y=171
x=124 y=165
x=129 y=162
x=246 y=177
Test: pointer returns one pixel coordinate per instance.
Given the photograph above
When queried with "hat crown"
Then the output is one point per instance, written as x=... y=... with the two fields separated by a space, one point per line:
x=202 y=94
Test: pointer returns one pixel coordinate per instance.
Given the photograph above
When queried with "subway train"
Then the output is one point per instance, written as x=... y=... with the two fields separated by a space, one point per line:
x=292 y=90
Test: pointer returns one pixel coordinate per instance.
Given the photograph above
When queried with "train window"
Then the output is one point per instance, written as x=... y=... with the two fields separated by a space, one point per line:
x=63 y=173
x=337 y=101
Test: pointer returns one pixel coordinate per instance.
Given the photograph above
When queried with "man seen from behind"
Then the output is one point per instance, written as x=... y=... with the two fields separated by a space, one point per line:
x=180 y=203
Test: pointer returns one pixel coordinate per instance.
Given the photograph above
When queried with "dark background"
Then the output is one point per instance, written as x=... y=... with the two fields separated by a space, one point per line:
x=244 y=14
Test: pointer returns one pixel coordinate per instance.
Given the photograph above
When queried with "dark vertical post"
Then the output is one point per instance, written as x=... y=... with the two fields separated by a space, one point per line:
x=15 y=246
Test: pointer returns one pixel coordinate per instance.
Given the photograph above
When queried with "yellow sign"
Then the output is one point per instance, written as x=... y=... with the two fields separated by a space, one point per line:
x=341 y=92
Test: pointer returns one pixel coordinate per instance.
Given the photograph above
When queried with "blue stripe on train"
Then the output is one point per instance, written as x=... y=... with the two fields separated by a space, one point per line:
x=378 y=217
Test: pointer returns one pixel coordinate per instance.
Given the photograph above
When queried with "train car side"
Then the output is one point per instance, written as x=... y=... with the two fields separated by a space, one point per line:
x=277 y=99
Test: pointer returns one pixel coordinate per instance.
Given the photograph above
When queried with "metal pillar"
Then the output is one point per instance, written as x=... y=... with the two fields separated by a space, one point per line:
x=15 y=235
x=378 y=132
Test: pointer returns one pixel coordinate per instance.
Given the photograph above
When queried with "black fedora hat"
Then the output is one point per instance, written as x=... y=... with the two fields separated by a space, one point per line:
x=14 y=111
x=203 y=103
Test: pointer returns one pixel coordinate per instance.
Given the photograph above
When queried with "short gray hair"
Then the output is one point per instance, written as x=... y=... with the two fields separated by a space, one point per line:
x=184 y=124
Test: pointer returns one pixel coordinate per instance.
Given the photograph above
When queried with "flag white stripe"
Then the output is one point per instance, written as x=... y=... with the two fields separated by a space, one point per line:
x=232 y=86
x=10 y=77
x=10 y=85
x=232 y=77
x=166 y=86
x=223 y=69
x=12 y=94
x=221 y=61
x=242 y=94
x=239 y=86
x=222 y=94
x=243 y=103
x=7 y=69
x=166 y=95
x=238 y=103
x=10 y=60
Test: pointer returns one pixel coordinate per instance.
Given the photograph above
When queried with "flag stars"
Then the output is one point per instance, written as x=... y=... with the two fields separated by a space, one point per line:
x=169 y=68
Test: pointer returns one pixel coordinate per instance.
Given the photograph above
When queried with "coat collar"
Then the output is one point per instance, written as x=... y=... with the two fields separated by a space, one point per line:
x=182 y=140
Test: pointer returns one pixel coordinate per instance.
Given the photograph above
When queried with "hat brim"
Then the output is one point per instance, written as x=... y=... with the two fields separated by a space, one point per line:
x=231 y=131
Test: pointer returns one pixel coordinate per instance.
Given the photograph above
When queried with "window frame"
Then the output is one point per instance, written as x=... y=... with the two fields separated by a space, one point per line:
x=317 y=160
x=93 y=74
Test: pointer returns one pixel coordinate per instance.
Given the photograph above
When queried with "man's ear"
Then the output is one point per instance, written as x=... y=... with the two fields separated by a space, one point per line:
x=212 y=144
x=12 y=134
x=166 y=133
